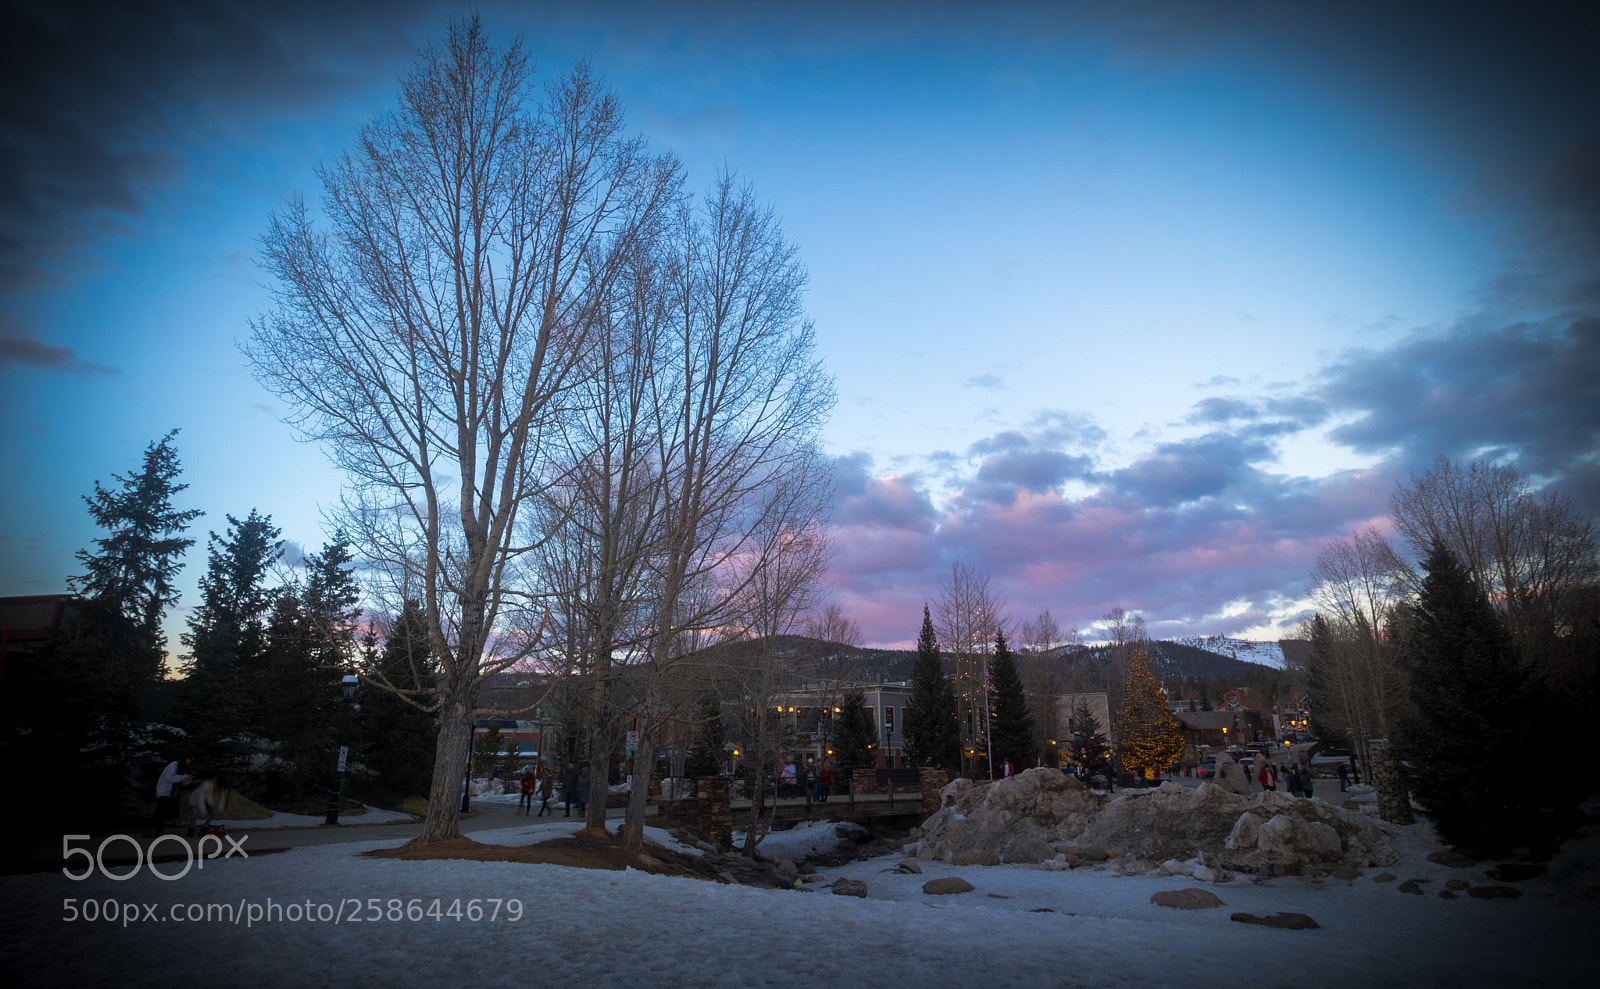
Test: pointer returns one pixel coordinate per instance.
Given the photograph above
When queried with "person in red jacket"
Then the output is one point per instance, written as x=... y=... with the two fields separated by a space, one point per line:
x=825 y=781
x=530 y=782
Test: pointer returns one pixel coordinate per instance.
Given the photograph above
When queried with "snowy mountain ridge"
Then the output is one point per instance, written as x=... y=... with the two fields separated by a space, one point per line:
x=1265 y=653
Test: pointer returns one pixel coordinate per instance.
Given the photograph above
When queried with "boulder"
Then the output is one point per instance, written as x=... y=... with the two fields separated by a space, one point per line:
x=850 y=887
x=1445 y=894
x=946 y=886
x=1286 y=841
x=1345 y=872
x=909 y=866
x=1028 y=849
x=1413 y=886
x=1186 y=899
x=1384 y=877
x=1286 y=921
x=982 y=856
x=1456 y=884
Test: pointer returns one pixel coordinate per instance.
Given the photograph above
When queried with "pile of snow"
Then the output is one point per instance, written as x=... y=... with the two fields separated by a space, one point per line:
x=1013 y=820
x=372 y=815
x=1265 y=653
x=804 y=840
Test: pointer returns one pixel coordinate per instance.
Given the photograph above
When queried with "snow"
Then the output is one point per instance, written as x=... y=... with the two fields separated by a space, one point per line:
x=576 y=925
x=1248 y=650
x=805 y=838
x=373 y=815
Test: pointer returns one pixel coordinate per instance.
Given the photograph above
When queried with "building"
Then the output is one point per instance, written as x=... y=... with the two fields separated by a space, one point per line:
x=809 y=710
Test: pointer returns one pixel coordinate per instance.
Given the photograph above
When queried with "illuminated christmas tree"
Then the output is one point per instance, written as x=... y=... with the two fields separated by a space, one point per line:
x=1149 y=738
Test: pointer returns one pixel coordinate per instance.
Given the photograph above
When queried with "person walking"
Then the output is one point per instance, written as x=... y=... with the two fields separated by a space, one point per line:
x=529 y=783
x=825 y=781
x=547 y=785
x=1264 y=777
x=569 y=787
x=1306 y=785
x=1294 y=781
x=1344 y=777
x=175 y=775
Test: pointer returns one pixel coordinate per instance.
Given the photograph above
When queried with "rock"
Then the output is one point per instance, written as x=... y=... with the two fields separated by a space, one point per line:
x=850 y=887
x=947 y=885
x=1287 y=921
x=1450 y=859
x=1495 y=892
x=1027 y=849
x=1445 y=894
x=1345 y=872
x=1516 y=872
x=1093 y=853
x=813 y=878
x=1186 y=899
x=844 y=845
x=1289 y=841
x=787 y=868
x=1456 y=884
x=1383 y=877
x=1413 y=886
x=1246 y=831
x=1172 y=867
x=998 y=896
x=909 y=866
x=986 y=856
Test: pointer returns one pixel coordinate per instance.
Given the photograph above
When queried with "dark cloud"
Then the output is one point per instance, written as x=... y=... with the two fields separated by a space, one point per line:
x=93 y=95
x=25 y=350
x=1515 y=392
x=989 y=381
x=1036 y=470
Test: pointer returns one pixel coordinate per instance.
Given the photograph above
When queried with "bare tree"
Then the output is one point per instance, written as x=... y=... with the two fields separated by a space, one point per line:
x=740 y=400
x=1534 y=554
x=431 y=340
x=967 y=615
x=1040 y=670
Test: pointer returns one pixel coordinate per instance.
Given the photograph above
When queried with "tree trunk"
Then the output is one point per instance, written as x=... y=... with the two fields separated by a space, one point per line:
x=450 y=756
x=632 y=835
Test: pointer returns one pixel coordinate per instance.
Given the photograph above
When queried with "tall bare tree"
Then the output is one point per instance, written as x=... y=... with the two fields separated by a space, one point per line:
x=740 y=400
x=1041 y=674
x=431 y=339
x=967 y=615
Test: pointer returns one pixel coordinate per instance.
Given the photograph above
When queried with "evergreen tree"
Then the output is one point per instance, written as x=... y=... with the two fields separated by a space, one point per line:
x=1149 y=738
x=311 y=641
x=128 y=580
x=932 y=729
x=226 y=637
x=1088 y=739
x=855 y=736
x=710 y=741
x=1475 y=717
x=397 y=737
x=1010 y=725
x=487 y=750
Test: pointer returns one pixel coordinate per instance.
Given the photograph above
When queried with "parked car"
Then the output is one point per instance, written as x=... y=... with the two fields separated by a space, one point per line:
x=1207 y=767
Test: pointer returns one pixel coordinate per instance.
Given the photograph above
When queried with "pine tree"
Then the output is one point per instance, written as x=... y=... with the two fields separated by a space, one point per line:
x=710 y=741
x=226 y=638
x=1010 y=725
x=128 y=580
x=1088 y=739
x=1149 y=738
x=1475 y=717
x=855 y=736
x=487 y=750
x=398 y=738
x=932 y=731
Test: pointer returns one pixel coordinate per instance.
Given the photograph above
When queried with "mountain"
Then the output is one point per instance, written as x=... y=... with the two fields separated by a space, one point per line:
x=1264 y=653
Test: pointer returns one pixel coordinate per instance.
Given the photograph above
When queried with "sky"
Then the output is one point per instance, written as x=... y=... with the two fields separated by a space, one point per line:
x=1124 y=308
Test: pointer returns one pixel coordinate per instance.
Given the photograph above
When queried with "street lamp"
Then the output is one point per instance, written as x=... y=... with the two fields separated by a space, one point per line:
x=888 y=745
x=347 y=687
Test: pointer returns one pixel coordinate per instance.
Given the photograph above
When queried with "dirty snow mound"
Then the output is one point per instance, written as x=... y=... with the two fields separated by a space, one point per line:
x=1041 y=805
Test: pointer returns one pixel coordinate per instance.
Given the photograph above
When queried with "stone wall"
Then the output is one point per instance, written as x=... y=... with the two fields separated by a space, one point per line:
x=865 y=781
x=711 y=814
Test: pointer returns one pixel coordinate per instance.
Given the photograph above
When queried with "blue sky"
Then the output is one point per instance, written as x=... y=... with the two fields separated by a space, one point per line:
x=1134 y=310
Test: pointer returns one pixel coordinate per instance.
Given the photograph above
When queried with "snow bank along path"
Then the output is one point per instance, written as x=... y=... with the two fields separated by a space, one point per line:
x=576 y=923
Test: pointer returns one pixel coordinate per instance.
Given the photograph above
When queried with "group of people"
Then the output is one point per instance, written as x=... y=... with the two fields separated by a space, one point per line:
x=818 y=779
x=205 y=800
x=542 y=783
x=1296 y=777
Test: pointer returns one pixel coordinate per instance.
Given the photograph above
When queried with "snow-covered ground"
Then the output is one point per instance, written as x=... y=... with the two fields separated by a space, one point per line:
x=577 y=926
x=1265 y=653
x=372 y=815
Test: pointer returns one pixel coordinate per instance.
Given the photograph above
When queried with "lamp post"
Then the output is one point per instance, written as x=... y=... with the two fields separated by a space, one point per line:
x=888 y=745
x=466 y=784
x=347 y=687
